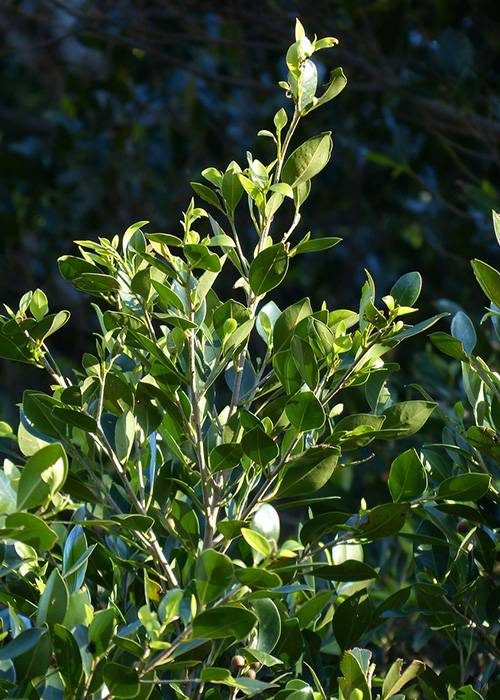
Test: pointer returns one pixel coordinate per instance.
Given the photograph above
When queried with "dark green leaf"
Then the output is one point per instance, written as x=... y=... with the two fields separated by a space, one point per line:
x=287 y=322
x=305 y=412
x=24 y=641
x=268 y=269
x=122 y=681
x=352 y=620
x=309 y=610
x=54 y=601
x=101 y=630
x=258 y=578
x=309 y=472
x=290 y=645
x=407 y=477
x=464 y=487
x=384 y=520
x=214 y=572
x=259 y=446
x=69 y=659
x=407 y=289
x=269 y=624
x=224 y=621
x=225 y=456
x=349 y=570
x=321 y=525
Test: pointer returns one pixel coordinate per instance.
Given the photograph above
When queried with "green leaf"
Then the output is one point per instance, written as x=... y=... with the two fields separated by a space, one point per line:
x=384 y=520
x=124 y=435
x=24 y=641
x=349 y=570
x=213 y=175
x=206 y=194
x=321 y=525
x=308 y=159
x=230 y=528
x=269 y=624
x=43 y=476
x=53 y=602
x=75 y=418
x=232 y=189
x=467 y=692
x=407 y=289
x=200 y=256
x=351 y=620
x=405 y=418
x=259 y=446
x=489 y=280
x=225 y=456
x=353 y=684
x=49 y=325
x=306 y=362
x=268 y=269
x=101 y=630
x=165 y=239
x=290 y=645
x=138 y=523
x=309 y=472
x=449 y=345
x=258 y=579
x=313 y=246
x=39 y=305
x=395 y=680
x=462 y=328
x=287 y=322
x=75 y=556
x=407 y=477
x=122 y=681
x=309 y=610
x=69 y=659
x=287 y=371
x=464 y=487
x=336 y=84
x=257 y=541
x=30 y=529
x=213 y=574
x=224 y=621
x=305 y=412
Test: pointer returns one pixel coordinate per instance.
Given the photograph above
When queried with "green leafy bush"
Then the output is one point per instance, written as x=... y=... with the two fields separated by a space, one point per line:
x=149 y=502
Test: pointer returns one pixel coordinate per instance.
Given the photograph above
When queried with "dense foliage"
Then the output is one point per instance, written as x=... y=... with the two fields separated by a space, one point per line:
x=168 y=523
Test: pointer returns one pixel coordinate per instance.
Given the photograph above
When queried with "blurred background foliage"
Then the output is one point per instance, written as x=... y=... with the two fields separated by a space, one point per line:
x=109 y=109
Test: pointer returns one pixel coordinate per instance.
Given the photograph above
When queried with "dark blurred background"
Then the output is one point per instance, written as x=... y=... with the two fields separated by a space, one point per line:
x=109 y=109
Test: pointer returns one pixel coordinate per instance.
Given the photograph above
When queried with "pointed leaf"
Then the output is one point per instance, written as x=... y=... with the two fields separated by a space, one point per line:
x=308 y=159
x=407 y=477
x=268 y=269
x=309 y=472
x=213 y=574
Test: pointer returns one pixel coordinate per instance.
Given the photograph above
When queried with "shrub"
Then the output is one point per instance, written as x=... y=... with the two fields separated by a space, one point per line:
x=150 y=501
